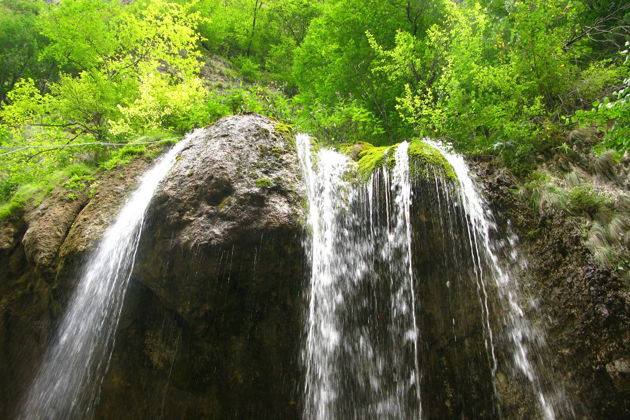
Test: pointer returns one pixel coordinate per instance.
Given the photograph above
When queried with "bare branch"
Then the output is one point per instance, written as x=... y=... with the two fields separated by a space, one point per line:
x=602 y=26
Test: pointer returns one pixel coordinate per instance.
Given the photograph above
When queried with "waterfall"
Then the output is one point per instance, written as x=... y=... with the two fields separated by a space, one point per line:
x=68 y=381
x=413 y=311
x=361 y=353
x=527 y=342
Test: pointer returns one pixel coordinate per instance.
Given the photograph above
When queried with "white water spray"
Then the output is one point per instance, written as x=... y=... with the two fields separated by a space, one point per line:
x=360 y=341
x=365 y=356
x=521 y=333
x=68 y=382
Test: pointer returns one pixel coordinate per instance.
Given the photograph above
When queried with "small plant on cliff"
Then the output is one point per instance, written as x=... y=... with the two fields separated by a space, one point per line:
x=263 y=183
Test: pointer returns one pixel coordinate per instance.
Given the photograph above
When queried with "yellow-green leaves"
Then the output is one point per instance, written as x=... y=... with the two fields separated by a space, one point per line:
x=83 y=34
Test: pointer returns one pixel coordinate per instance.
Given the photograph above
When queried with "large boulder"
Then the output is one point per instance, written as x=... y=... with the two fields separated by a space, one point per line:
x=212 y=323
x=235 y=188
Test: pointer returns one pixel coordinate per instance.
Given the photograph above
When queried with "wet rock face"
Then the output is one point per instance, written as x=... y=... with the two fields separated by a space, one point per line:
x=41 y=250
x=584 y=309
x=235 y=188
x=215 y=309
x=212 y=318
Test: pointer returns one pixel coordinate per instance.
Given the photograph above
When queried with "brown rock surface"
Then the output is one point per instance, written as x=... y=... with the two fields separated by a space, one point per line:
x=41 y=249
x=584 y=308
x=212 y=324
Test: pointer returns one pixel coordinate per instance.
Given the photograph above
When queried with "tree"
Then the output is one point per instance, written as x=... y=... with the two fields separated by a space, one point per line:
x=332 y=65
x=20 y=44
x=113 y=54
x=128 y=69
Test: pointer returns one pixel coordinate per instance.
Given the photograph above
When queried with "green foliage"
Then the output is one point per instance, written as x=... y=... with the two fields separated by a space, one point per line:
x=129 y=69
x=495 y=79
x=500 y=78
x=123 y=155
x=611 y=115
x=332 y=65
x=237 y=100
x=345 y=122
x=78 y=183
x=248 y=69
x=478 y=100
x=32 y=191
x=253 y=28
x=23 y=195
x=21 y=44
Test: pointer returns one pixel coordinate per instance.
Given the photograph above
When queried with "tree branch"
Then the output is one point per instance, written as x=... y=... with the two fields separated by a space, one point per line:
x=97 y=143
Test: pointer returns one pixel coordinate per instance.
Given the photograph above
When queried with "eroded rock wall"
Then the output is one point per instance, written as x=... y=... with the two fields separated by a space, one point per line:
x=41 y=249
x=212 y=320
x=584 y=308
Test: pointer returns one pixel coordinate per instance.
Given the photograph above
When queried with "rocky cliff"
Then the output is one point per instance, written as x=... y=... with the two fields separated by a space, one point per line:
x=212 y=322
x=583 y=307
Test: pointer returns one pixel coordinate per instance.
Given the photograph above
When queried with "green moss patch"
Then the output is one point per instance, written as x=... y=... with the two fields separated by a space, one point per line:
x=286 y=131
x=264 y=183
x=423 y=158
x=372 y=158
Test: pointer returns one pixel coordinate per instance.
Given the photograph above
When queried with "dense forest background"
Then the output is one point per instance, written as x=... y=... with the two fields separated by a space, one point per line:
x=86 y=85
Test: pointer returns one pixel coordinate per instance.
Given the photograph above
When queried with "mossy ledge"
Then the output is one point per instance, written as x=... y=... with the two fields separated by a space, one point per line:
x=424 y=159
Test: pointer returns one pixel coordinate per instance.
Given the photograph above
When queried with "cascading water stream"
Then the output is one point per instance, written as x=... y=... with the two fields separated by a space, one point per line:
x=412 y=313
x=526 y=341
x=68 y=381
x=361 y=353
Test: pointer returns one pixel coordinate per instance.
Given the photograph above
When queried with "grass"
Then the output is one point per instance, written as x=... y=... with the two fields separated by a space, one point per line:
x=74 y=177
x=605 y=221
x=78 y=176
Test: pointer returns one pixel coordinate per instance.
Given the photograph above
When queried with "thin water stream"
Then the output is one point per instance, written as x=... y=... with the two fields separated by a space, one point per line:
x=69 y=379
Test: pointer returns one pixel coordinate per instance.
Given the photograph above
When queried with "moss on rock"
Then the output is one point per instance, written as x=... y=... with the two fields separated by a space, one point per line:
x=422 y=158
x=372 y=158
x=264 y=183
x=286 y=131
